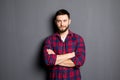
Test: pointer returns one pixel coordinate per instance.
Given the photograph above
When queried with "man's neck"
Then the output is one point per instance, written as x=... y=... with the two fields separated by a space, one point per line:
x=64 y=34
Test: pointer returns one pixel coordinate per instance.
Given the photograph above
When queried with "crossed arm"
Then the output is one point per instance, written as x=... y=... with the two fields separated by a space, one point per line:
x=64 y=59
x=74 y=59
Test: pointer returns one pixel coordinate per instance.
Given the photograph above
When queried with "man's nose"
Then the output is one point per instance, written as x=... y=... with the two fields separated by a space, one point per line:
x=62 y=23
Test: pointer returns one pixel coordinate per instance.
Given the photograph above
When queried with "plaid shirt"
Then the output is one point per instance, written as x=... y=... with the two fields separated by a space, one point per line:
x=73 y=42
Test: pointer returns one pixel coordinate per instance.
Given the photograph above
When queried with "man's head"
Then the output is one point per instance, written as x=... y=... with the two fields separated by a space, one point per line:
x=62 y=20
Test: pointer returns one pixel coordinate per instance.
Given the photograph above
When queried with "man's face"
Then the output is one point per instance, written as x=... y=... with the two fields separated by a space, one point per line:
x=62 y=22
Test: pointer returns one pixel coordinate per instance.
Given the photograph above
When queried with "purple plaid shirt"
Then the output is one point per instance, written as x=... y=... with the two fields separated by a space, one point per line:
x=73 y=43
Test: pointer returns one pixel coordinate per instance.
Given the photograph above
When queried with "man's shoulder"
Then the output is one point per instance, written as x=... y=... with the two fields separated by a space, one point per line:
x=76 y=35
x=51 y=36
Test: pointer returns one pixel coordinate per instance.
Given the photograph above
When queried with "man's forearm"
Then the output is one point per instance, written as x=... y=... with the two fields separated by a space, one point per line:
x=64 y=57
x=67 y=63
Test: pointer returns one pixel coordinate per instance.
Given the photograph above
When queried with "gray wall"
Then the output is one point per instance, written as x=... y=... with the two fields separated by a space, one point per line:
x=24 y=24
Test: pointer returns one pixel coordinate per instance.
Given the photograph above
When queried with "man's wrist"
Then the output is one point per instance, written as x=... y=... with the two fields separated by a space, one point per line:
x=71 y=55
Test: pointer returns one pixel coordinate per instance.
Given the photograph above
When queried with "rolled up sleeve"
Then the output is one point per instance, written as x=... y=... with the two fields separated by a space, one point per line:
x=79 y=58
x=49 y=59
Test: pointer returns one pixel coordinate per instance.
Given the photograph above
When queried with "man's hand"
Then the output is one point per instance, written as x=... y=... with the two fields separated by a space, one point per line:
x=72 y=54
x=50 y=51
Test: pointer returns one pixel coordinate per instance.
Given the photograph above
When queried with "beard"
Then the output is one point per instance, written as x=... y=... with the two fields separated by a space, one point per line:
x=62 y=31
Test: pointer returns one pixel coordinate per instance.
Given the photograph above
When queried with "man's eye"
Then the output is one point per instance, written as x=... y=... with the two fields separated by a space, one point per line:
x=65 y=20
x=58 y=20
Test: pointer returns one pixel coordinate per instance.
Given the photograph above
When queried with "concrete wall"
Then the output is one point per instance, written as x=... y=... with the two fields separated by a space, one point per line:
x=24 y=24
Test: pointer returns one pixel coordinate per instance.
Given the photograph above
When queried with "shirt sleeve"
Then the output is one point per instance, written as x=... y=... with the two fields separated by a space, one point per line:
x=49 y=59
x=79 y=58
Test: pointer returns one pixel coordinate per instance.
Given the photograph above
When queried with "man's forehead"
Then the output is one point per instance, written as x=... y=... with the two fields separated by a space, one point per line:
x=65 y=16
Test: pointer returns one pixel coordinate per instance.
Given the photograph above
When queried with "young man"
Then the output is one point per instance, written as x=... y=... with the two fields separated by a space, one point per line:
x=64 y=51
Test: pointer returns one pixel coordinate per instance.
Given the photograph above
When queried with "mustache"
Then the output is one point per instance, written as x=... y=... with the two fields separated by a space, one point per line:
x=62 y=31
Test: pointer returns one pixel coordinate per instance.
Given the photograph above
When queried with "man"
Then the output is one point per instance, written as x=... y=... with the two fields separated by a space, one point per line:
x=64 y=51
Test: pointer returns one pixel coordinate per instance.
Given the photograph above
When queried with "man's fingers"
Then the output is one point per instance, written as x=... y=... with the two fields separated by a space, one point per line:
x=50 y=51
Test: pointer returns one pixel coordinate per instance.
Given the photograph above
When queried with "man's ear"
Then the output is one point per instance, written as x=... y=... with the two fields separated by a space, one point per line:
x=69 y=21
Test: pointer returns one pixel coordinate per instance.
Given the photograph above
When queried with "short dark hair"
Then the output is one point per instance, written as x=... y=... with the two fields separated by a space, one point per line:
x=62 y=12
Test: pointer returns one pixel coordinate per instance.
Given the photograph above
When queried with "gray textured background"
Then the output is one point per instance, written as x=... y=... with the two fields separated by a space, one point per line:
x=24 y=24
